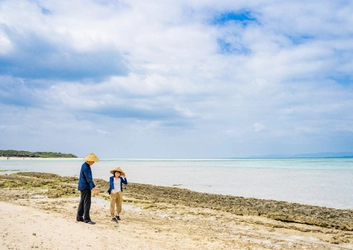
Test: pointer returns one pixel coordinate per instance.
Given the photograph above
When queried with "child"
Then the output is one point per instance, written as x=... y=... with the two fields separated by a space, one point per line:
x=116 y=192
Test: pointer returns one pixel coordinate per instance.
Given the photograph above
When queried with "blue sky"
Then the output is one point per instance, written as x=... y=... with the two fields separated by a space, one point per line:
x=176 y=79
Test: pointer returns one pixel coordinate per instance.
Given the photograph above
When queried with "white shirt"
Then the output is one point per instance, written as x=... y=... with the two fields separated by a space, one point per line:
x=117 y=184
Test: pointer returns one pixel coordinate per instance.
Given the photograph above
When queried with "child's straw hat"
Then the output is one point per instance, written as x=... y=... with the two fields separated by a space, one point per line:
x=117 y=170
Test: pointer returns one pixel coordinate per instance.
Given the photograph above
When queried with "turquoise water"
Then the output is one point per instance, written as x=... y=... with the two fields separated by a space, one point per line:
x=316 y=181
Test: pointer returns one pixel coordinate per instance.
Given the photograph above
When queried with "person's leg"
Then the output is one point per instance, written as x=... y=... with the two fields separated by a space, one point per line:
x=86 y=204
x=79 y=216
x=119 y=203
x=112 y=205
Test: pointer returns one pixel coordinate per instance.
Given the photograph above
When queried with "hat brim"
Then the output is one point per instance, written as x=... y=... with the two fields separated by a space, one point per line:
x=117 y=170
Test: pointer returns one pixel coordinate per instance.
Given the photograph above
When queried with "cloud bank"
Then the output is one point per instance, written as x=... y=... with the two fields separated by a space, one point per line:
x=194 y=79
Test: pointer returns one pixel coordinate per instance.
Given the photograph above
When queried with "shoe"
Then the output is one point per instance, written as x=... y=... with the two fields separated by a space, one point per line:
x=90 y=222
x=117 y=217
x=79 y=219
x=114 y=219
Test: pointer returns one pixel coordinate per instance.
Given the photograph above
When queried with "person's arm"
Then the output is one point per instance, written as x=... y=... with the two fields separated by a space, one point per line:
x=88 y=176
x=123 y=180
x=112 y=185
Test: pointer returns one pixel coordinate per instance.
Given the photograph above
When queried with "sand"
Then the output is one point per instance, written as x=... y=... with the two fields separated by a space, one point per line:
x=30 y=219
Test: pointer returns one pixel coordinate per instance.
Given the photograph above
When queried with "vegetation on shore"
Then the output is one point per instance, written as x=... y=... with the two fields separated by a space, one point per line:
x=21 y=153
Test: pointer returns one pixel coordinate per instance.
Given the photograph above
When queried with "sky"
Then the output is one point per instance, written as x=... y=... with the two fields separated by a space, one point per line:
x=176 y=79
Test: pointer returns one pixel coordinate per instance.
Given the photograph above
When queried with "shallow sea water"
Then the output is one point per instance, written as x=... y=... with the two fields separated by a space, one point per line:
x=317 y=181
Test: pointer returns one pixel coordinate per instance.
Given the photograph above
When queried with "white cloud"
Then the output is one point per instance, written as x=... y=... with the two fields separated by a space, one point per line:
x=258 y=127
x=5 y=43
x=168 y=72
x=103 y=132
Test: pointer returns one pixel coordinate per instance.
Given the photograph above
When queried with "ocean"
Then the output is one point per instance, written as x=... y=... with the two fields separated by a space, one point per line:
x=315 y=181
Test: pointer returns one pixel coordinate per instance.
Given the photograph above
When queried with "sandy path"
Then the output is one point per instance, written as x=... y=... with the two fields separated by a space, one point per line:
x=25 y=227
x=50 y=224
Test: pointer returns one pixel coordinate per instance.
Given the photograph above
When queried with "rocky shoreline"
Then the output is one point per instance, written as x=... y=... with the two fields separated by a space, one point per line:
x=276 y=210
x=55 y=186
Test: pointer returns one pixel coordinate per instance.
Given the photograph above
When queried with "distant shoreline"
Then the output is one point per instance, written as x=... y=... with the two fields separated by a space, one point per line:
x=28 y=154
x=2 y=158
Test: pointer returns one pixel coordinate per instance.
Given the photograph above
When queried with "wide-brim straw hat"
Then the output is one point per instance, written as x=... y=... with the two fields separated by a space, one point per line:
x=117 y=170
x=91 y=157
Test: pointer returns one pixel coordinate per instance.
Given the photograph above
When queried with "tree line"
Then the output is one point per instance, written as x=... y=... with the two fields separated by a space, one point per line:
x=21 y=153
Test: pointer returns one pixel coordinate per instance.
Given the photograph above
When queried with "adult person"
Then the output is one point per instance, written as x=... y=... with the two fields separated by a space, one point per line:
x=85 y=186
x=115 y=190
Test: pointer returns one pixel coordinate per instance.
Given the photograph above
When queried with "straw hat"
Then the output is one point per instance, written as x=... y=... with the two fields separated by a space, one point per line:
x=117 y=170
x=91 y=157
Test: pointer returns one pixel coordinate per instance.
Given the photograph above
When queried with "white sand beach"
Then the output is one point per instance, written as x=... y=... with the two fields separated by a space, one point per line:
x=50 y=224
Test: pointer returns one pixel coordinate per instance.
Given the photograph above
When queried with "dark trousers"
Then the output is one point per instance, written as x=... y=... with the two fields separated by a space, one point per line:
x=84 y=206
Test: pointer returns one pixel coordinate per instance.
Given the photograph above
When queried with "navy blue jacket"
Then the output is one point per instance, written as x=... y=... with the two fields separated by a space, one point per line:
x=85 y=181
x=111 y=183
